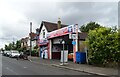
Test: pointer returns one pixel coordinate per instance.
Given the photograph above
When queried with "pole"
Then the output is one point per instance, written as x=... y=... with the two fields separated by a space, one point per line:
x=63 y=53
x=74 y=51
x=30 y=38
x=13 y=42
x=76 y=37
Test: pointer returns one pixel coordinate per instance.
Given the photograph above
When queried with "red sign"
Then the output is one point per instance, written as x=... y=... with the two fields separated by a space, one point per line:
x=60 y=32
x=42 y=42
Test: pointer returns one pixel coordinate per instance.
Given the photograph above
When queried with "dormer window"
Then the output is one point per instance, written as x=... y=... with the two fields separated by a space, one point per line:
x=44 y=33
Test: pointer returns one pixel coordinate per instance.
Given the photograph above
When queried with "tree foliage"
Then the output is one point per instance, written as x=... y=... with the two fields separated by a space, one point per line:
x=103 y=46
x=7 y=47
x=89 y=26
x=18 y=45
x=13 y=46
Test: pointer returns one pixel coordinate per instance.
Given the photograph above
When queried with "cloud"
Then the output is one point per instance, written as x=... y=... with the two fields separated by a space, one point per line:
x=82 y=12
x=16 y=15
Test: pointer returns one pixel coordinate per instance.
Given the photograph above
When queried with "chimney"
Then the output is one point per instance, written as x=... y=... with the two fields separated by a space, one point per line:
x=59 y=23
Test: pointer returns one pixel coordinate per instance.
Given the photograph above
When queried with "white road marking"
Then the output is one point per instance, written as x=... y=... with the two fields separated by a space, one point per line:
x=11 y=71
x=24 y=67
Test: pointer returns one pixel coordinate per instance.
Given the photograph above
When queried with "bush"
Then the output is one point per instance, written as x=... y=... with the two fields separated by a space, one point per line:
x=103 y=46
x=33 y=53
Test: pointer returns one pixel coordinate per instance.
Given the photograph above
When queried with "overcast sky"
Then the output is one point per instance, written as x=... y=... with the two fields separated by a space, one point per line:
x=15 y=15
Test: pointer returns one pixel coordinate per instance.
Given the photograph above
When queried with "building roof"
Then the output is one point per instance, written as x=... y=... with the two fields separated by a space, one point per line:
x=25 y=39
x=37 y=30
x=50 y=26
x=33 y=36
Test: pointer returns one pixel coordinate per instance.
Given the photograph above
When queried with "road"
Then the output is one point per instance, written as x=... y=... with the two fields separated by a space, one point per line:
x=12 y=66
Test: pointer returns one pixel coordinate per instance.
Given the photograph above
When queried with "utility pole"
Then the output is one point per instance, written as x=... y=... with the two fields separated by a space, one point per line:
x=13 y=41
x=30 y=38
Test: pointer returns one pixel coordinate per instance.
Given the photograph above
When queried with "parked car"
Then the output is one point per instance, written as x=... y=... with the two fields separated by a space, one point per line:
x=8 y=53
x=5 y=53
x=1 y=52
x=22 y=55
x=14 y=54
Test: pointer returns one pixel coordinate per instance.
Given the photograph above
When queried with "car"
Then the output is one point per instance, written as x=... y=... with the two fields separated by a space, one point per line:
x=5 y=53
x=1 y=52
x=14 y=54
x=8 y=53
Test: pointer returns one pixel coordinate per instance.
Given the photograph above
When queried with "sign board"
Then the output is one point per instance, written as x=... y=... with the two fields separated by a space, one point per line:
x=73 y=36
x=57 y=41
x=70 y=36
x=59 y=32
x=62 y=31
x=42 y=41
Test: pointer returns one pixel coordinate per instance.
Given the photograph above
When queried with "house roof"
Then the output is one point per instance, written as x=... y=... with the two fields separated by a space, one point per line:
x=25 y=39
x=50 y=26
x=37 y=30
x=33 y=35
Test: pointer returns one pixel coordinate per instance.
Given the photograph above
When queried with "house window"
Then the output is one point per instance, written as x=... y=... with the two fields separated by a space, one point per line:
x=44 y=33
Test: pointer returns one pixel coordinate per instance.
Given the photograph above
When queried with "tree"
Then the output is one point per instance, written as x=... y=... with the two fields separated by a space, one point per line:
x=103 y=46
x=7 y=47
x=18 y=46
x=1 y=49
x=89 y=26
x=11 y=46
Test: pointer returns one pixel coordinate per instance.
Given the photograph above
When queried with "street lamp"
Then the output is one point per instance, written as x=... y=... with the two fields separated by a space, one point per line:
x=63 y=42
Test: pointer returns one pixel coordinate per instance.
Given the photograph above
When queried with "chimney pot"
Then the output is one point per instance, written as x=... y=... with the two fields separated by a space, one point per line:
x=59 y=23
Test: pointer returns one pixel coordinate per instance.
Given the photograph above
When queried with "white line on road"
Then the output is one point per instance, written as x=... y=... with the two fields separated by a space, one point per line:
x=11 y=71
x=24 y=67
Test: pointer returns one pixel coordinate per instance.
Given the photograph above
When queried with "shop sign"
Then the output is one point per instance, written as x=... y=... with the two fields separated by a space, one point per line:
x=57 y=41
x=43 y=41
x=73 y=36
x=62 y=31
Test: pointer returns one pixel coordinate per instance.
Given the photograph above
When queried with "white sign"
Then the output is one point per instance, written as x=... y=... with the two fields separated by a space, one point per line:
x=70 y=36
x=57 y=41
x=65 y=56
x=73 y=36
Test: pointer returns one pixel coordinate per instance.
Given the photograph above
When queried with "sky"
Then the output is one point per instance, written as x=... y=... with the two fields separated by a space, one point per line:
x=16 y=15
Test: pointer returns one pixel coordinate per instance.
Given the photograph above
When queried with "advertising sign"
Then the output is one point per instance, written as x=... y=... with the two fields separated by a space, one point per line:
x=43 y=41
x=62 y=31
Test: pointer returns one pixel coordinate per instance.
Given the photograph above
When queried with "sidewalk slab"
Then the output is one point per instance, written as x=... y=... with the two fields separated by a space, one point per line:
x=78 y=67
x=85 y=70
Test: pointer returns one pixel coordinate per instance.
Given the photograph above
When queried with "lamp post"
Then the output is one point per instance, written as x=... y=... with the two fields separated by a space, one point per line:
x=63 y=42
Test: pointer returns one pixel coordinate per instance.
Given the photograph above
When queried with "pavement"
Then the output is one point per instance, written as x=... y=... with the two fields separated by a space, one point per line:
x=111 y=72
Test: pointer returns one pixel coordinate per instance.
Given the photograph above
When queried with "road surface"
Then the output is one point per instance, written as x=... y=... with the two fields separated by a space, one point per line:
x=11 y=66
